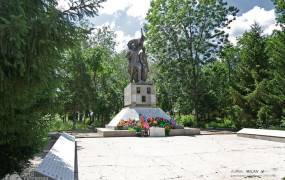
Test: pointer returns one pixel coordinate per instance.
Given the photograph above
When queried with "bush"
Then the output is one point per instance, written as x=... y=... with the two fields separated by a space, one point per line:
x=221 y=123
x=20 y=140
x=282 y=124
x=58 y=125
x=187 y=120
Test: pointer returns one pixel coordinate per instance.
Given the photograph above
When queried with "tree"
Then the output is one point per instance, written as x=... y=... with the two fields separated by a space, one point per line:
x=33 y=37
x=251 y=74
x=182 y=37
x=280 y=11
x=103 y=37
x=215 y=97
x=275 y=96
x=93 y=79
x=275 y=89
x=230 y=56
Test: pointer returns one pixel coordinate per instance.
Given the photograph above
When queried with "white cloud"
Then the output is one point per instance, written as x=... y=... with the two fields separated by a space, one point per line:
x=62 y=4
x=266 y=19
x=112 y=6
x=111 y=24
x=135 y=8
x=122 y=39
x=139 y=8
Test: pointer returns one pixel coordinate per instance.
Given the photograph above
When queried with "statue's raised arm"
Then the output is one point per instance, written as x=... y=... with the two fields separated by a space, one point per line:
x=142 y=39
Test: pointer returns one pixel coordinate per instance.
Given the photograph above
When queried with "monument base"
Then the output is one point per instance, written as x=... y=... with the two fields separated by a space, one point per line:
x=108 y=132
x=133 y=113
x=156 y=132
x=139 y=94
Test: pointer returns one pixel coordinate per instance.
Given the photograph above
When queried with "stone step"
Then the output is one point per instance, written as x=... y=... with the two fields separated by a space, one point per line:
x=108 y=132
x=264 y=134
x=184 y=132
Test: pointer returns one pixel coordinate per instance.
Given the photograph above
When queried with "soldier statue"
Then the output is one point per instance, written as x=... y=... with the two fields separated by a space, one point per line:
x=138 y=65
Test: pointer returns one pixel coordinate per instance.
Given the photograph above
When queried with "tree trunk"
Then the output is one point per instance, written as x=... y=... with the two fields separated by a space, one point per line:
x=81 y=116
x=74 y=120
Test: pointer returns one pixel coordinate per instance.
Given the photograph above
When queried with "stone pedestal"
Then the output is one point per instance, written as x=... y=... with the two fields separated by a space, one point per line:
x=156 y=132
x=139 y=99
x=134 y=113
x=139 y=94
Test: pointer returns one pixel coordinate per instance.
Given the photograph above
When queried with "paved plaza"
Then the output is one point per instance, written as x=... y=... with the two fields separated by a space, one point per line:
x=182 y=157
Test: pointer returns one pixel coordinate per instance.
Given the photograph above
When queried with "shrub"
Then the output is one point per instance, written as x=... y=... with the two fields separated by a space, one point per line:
x=20 y=140
x=221 y=123
x=58 y=125
x=282 y=125
x=187 y=120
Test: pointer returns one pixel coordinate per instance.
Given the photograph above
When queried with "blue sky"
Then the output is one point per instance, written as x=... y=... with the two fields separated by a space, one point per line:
x=126 y=17
x=246 y=5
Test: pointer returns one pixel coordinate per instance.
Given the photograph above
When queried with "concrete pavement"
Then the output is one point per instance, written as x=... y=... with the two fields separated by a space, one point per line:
x=182 y=157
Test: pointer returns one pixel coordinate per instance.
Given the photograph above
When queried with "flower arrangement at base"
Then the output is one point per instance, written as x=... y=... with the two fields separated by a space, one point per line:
x=144 y=124
x=125 y=124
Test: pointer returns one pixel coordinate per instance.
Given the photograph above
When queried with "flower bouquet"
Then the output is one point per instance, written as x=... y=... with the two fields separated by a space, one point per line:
x=143 y=125
x=125 y=124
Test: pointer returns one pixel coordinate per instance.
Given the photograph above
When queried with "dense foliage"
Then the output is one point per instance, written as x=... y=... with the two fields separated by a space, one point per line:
x=93 y=77
x=198 y=72
x=183 y=36
x=33 y=37
x=251 y=73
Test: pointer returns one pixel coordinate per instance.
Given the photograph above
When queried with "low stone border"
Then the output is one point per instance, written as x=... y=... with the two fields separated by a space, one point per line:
x=264 y=134
x=184 y=132
x=107 y=132
x=268 y=138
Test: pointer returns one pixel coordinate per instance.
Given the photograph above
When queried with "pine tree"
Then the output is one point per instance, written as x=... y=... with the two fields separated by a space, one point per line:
x=250 y=74
x=33 y=38
x=275 y=86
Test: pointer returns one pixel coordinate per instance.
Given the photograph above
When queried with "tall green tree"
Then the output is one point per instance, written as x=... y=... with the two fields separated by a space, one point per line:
x=93 y=79
x=275 y=96
x=215 y=97
x=33 y=37
x=104 y=37
x=230 y=56
x=280 y=11
x=182 y=37
x=274 y=86
x=251 y=74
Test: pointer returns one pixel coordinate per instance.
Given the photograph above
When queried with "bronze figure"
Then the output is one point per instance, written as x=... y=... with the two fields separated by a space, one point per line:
x=138 y=65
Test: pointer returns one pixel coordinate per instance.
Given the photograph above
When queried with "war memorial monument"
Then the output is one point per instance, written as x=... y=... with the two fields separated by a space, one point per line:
x=139 y=95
